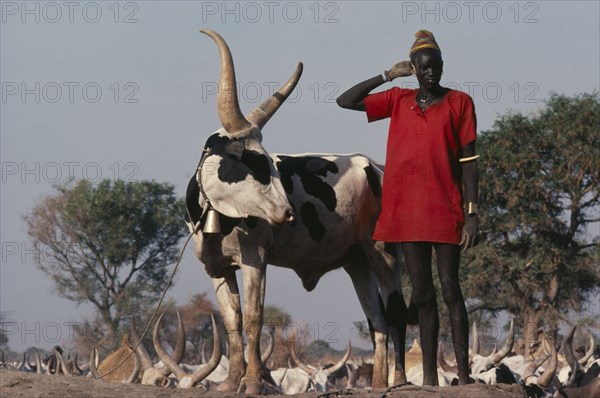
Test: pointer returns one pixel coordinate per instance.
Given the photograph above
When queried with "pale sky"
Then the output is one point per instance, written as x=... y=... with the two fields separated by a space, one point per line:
x=106 y=89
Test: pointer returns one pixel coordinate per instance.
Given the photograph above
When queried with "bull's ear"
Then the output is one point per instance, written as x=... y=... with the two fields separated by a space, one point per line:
x=235 y=149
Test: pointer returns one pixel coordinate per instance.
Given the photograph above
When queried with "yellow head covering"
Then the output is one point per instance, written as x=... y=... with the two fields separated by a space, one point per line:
x=423 y=39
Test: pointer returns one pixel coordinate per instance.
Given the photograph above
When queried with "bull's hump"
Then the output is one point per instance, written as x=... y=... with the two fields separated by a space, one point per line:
x=373 y=180
x=313 y=172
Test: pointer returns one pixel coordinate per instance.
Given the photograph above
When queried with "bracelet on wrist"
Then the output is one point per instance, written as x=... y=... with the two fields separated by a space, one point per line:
x=472 y=208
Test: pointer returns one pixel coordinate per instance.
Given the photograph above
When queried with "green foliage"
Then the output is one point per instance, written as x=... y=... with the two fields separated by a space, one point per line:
x=275 y=316
x=539 y=192
x=108 y=244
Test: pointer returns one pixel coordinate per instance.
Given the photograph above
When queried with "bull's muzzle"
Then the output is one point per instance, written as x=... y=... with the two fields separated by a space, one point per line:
x=289 y=215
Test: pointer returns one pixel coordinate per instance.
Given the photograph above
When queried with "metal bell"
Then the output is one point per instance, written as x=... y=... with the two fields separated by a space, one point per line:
x=212 y=226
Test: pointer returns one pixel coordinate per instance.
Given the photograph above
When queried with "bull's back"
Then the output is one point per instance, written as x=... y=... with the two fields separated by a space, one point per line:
x=337 y=199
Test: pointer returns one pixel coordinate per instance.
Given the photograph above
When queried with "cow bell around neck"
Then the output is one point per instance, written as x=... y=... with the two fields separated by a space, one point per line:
x=212 y=225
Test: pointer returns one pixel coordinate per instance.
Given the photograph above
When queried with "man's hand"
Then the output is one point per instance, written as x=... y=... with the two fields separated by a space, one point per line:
x=402 y=68
x=470 y=232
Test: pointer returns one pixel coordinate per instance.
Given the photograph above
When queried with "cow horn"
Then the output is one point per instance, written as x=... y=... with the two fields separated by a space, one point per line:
x=442 y=361
x=589 y=352
x=567 y=350
x=136 y=370
x=546 y=377
x=61 y=363
x=232 y=119
x=508 y=344
x=261 y=114
x=75 y=366
x=38 y=361
x=144 y=357
x=532 y=367
x=170 y=364
x=203 y=358
x=180 y=344
x=475 y=338
x=214 y=360
x=93 y=364
x=341 y=362
x=269 y=350
x=298 y=362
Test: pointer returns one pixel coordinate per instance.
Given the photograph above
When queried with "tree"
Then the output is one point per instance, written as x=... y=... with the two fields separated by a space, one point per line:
x=285 y=332
x=109 y=244
x=539 y=193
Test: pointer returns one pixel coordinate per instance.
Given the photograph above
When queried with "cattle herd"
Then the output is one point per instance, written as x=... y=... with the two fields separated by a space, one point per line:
x=311 y=213
x=545 y=372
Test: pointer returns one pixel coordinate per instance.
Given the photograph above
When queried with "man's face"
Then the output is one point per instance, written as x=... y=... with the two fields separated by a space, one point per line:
x=428 y=68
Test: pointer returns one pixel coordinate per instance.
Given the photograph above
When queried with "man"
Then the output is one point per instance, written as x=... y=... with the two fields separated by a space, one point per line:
x=430 y=157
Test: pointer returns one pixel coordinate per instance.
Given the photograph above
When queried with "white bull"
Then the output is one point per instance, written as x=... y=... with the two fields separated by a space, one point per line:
x=310 y=213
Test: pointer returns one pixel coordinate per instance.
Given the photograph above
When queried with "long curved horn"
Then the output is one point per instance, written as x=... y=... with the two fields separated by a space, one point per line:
x=546 y=377
x=38 y=361
x=203 y=358
x=475 y=338
x=170 y=364
x=532 y=367
x=341 y=362
x=261 y=114
x=136 y=370
x=93 y=365
x=61 y=363
x=269 y=350
x=508 y=344
x=442 y=361
x=76 y=364
x=567 y=350
x=232 y=119
x=589 y=352
x=145 y=360
x=179 y=351
x=214 y=360
x=298 y=362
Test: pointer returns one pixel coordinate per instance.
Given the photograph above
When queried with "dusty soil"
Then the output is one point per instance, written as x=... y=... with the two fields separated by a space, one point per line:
x=14 y=384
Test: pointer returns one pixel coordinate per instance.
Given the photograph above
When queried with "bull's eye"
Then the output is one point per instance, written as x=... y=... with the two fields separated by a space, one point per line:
x=258 y=165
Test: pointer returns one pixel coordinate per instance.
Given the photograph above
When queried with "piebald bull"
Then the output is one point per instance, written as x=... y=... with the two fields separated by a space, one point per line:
x=311 y=213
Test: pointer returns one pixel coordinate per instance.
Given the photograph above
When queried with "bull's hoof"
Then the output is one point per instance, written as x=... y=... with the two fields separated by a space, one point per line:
x=227 y=386
x=251 y=387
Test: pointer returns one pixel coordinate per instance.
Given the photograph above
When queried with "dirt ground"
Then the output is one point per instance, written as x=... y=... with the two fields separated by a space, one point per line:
x=14 y=384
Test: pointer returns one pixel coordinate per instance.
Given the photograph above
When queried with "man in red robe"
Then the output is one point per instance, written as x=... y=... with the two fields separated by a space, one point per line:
x=430 y=173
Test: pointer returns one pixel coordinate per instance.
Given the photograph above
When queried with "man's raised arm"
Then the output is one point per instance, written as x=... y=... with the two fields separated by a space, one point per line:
x=354 y=97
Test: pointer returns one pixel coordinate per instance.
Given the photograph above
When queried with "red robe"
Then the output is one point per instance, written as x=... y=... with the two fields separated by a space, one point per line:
x=422 y=184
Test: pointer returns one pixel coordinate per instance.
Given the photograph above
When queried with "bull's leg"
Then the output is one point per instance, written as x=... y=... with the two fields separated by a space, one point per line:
x=366 y=288
x=254 y=297
x=228 y=296
x=386 y=263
